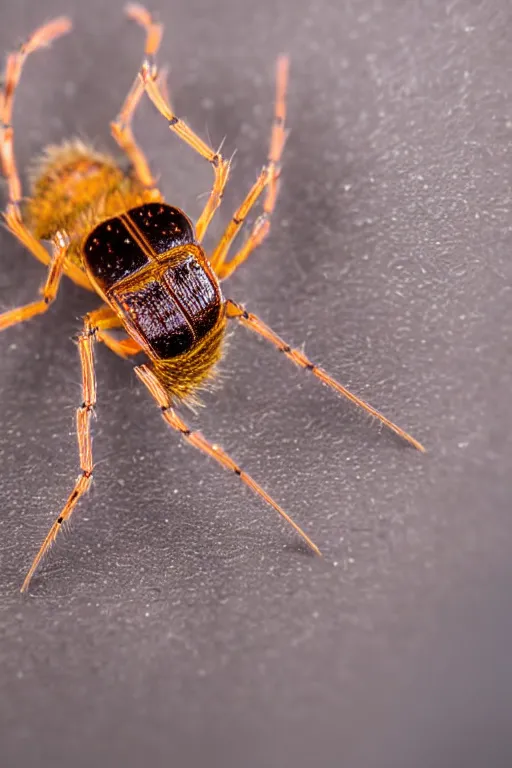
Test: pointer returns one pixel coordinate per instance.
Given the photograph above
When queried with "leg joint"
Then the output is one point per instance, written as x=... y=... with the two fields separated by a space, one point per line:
x=119 y=125
x=90 y=330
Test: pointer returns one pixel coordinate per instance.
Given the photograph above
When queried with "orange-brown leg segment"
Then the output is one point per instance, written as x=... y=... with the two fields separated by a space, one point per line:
x=105 y=318
x=268 y=178
x=150 y=79
x=94 y=323
x=42 y=37
x=123 y=347
x=214 y=451
x=122 y=127
x=83 y=428
x=16 y=226
x=49 y=291
x=238 y=312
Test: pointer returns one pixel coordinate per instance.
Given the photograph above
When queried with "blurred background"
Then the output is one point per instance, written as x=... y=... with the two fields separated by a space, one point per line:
x=178 y=621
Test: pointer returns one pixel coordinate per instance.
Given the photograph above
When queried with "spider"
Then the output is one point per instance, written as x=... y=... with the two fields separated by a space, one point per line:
x=111 y=232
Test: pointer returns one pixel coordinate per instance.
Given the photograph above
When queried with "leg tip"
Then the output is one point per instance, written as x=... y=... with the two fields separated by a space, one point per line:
x=137 y=12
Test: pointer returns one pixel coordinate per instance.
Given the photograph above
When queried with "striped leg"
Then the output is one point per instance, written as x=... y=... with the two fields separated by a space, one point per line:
x=215 y=452
x=83 y=429
x=49 y=291
x=150 y=79
x=122 y=126
x=252 y=322
x=42 y=37
x=268 y=179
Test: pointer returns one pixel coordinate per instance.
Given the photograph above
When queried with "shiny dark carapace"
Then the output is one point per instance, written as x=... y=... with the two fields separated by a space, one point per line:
x=146 y=261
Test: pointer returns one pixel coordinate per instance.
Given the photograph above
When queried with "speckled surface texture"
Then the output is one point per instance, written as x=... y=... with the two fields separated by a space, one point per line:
x=177 y=622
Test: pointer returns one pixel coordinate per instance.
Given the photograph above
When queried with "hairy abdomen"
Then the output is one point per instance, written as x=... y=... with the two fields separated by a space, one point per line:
x=73 y=188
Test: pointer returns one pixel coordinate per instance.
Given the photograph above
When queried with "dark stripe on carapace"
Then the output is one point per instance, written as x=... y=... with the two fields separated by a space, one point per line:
x=173 y=314
x=196 y=293
x=154 y=314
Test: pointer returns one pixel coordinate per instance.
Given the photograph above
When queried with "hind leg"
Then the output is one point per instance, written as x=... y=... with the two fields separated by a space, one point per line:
x=121 y=128
x=42 y=37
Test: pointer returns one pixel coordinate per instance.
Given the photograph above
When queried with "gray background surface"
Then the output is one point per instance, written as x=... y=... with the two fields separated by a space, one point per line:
x=177 y=622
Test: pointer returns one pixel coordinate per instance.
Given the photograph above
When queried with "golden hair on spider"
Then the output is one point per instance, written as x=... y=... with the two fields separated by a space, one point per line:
x=111 y=232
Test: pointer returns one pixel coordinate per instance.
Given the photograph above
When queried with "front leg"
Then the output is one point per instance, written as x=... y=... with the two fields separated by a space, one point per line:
x=83 y=430
x=49 y=291
x=212 y=450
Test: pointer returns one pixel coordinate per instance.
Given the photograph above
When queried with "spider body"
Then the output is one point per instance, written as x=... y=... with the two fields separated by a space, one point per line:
x=143 y=260
x=149 y=269
x=111 y=232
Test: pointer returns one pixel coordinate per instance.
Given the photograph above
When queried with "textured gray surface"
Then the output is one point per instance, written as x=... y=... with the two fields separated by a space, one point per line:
x=177 y=623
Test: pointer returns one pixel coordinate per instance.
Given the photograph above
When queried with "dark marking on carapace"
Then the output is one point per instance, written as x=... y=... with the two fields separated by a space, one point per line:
x=154 y=314
x=162 y=226
x=173 y=314
x=196 y=292
x=111 y=253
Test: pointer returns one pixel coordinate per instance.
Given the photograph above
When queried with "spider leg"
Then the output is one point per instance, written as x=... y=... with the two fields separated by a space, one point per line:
x=150 y=80
x=42 y=37
x=94 y=323
x=49 y=291
x=83 y=429
x=18 y=228
x=105 y=318
x=196 y=439
x=123 y=347
x=252 y=322
x=268 y=179
x=121 y=128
